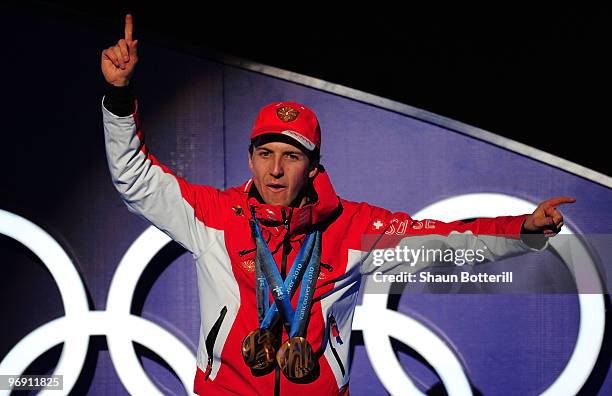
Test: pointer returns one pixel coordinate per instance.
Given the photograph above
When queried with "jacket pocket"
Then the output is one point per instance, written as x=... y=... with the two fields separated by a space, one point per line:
x=210 y=341
x=334 y=336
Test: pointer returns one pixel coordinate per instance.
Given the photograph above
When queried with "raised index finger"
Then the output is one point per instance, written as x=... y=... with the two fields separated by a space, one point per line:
x=551 y=203
x=128 y=27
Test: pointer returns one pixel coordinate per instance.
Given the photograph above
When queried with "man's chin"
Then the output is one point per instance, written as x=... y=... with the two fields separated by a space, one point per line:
x=276 y=201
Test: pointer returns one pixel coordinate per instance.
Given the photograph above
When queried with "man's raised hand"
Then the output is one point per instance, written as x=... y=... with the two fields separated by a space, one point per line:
x=546 y=219
x=119 y=60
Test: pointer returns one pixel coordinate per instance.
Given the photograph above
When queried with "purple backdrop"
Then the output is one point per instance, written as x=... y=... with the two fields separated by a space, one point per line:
x=196 y=115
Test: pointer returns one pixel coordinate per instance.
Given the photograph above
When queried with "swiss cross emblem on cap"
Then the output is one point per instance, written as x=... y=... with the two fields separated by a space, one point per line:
x=287 y=113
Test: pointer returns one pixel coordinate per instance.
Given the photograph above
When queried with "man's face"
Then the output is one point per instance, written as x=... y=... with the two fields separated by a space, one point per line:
x=280 y=172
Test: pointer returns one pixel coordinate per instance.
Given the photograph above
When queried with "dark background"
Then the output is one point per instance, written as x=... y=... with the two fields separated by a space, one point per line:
x=535 y=74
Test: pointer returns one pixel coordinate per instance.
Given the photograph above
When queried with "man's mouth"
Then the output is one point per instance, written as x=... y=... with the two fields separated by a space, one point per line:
x=275 y=187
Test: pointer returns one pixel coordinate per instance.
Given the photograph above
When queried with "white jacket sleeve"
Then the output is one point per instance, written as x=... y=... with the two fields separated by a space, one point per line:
x=148 y=188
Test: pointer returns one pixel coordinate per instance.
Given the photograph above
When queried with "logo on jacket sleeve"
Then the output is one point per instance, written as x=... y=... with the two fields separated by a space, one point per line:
x=397 y=226
x=377 y=225
x=427 y=224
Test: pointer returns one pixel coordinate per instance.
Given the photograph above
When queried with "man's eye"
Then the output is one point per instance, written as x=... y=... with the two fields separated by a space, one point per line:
x=293 y=157
x=264 y=154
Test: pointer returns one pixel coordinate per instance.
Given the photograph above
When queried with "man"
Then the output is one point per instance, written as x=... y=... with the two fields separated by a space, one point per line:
x=283 y=237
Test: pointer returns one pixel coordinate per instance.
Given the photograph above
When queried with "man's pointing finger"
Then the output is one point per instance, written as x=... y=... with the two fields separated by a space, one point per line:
x=128 y=27
x=553 y=202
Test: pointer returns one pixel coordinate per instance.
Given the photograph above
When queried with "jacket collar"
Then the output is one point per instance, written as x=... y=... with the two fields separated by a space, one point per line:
x=326 y=202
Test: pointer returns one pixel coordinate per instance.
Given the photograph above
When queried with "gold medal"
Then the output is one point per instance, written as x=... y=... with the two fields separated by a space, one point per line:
x=258 y=349
x=296 y=358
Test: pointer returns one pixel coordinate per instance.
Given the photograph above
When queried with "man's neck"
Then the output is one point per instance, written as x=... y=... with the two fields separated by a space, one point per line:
x=304 y=201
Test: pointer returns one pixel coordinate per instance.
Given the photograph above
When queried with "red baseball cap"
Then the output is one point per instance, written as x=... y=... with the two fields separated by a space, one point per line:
x=291 y=119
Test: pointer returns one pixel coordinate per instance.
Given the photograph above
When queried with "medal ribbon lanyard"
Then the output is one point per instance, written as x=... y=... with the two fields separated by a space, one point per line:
x=268 y=276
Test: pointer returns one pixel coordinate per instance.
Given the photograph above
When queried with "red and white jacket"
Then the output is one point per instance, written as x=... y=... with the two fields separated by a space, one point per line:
x=213 y=226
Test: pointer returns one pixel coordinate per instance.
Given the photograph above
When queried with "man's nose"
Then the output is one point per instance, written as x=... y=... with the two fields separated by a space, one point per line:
x=277 y=167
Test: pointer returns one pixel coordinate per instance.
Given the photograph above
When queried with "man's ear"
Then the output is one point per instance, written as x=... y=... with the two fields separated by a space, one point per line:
x=313 y=172
x=250 y=160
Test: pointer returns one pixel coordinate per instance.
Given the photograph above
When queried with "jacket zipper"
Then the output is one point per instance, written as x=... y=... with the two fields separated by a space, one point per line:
x=210 y=341
x=286 y=248
x=286 y=244
x=332 y=324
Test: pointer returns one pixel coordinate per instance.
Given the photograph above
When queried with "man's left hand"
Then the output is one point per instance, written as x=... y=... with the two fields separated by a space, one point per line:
x=546 y=219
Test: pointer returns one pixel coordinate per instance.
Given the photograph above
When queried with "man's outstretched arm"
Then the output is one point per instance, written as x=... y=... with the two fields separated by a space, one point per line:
x=497 y=238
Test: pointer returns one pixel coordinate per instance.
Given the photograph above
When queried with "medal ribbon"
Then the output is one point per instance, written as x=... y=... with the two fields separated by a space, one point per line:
x=302 y=310
x=268 y=275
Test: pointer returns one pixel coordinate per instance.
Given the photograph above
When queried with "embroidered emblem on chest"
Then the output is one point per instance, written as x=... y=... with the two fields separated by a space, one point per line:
x=238 y=211
x=248 y=265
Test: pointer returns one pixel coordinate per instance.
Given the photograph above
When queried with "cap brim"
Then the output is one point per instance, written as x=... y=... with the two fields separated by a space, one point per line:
x=293 y=135
x=269 y=137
